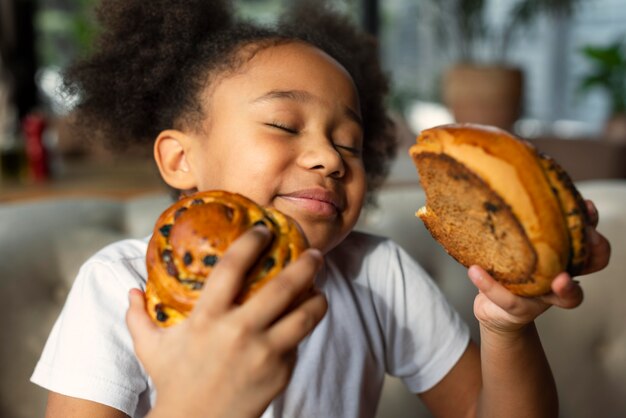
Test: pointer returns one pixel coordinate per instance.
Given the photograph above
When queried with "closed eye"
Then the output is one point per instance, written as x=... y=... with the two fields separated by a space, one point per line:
x=282 y=127
x=354 y=151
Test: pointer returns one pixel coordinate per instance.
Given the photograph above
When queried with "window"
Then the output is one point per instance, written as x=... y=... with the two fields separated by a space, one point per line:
x=411 y=51
x=549 y=53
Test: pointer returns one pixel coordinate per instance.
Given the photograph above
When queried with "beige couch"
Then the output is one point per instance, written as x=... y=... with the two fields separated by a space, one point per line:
x=586 y=346
x=42 y=244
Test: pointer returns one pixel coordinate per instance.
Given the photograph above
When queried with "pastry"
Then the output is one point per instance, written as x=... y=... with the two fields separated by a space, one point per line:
x=493 y=200
x=192 y=235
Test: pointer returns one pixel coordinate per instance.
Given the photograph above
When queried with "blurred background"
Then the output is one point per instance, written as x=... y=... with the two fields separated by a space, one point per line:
x=552 y=71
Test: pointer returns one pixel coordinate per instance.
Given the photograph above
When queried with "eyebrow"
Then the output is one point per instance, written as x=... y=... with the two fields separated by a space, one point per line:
x=302 y=96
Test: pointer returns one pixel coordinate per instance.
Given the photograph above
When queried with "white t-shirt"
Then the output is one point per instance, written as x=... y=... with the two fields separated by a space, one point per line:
x=385 y=316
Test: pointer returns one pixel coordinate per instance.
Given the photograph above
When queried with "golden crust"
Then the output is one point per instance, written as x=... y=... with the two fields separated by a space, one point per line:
x=574 y=210
x=512 y=170
x=192 y=235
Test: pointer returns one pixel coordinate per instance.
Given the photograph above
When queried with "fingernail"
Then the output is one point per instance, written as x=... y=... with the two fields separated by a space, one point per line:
x=134 y=292
x=317 y=256
x=262 y=229
x=474 y=274
x=315 y=253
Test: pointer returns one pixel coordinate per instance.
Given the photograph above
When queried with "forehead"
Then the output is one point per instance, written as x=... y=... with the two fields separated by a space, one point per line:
x=296 y=54
x=295 y=66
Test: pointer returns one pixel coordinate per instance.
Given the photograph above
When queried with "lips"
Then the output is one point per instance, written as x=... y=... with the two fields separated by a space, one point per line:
x=317 y=200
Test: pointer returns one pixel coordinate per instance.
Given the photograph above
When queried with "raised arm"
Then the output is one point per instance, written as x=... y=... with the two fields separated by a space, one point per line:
x=509 y=375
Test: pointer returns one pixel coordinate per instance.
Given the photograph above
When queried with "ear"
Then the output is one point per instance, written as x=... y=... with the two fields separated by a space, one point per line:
x=171 y=153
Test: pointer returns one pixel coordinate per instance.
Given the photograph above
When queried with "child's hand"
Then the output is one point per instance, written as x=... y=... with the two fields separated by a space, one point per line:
x=229 y=360
x=502 y=311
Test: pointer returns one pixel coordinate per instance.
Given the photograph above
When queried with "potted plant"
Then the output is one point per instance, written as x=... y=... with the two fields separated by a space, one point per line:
x=608 y=73
x=482 y=86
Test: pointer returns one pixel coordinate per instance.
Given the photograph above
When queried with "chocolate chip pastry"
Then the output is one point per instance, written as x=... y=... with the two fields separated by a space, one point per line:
x=192 y=235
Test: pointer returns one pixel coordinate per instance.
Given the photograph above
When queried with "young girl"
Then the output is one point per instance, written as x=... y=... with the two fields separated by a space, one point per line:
x=293 y=118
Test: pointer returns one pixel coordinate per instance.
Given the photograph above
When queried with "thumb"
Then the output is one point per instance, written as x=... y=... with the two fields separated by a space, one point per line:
x=142 y=330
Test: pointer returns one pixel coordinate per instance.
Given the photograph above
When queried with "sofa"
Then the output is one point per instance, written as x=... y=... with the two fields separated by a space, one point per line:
x=43 y=243
x=586 y=346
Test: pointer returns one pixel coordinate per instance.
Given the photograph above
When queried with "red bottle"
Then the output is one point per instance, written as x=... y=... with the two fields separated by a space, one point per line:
x=33 y=128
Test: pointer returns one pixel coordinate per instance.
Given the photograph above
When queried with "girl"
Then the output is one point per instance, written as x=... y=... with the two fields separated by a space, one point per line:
x=293 y=118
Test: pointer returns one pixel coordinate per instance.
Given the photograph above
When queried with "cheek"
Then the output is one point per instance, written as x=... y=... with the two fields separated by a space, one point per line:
x=253 y=171
x=356 y=191
x=359 y=179
x=259 y=164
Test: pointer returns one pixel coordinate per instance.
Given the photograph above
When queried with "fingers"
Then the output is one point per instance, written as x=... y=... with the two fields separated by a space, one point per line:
x=281 y=292
x=289 y=331
x=599 y=249
x=493 y=290
x=598 y=246
x=566 y=292
x=227 y=277
x=592 y=212
x=142 y=330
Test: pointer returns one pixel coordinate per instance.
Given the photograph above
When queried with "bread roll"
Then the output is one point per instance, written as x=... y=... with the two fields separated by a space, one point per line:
x=494 y=201
x=190 y=238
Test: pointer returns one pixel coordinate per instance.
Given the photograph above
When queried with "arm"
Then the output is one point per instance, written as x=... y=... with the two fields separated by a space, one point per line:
x=516 y=362
x=510 y=374
x=463 y=382
x=509 y=361
x=61 y=406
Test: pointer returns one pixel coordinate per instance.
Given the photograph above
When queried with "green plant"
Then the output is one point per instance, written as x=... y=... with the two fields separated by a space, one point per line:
x=465 y=24
x=64 y=32
x=608 y=72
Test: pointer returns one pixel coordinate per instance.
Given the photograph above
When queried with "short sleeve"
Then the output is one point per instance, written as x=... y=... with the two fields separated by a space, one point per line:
x=89 y=353
x=424 y=335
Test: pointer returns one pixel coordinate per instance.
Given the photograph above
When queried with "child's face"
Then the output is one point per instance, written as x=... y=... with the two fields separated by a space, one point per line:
x=286 y=132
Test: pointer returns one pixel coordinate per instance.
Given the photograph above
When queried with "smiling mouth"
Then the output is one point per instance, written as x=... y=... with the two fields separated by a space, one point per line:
x=316 y=202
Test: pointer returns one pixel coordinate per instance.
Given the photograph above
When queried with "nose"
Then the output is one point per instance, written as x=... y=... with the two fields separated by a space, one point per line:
x=321 y=156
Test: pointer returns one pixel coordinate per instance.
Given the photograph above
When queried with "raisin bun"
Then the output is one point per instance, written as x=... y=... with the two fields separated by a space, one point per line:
x=191 y=236
x=494 y=201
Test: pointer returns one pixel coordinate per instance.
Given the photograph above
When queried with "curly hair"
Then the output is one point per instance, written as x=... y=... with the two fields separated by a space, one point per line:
x=153 y=59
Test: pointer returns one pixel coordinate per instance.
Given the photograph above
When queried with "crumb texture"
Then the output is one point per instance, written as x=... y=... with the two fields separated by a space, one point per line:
x=472 y=222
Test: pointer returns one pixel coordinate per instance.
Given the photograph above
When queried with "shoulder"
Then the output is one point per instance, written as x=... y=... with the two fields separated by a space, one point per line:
x=89 y=353
x=122 y=263
x=121 y=251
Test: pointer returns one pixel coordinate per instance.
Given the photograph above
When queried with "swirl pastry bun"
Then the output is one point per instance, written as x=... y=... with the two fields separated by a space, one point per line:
x=494 y=201
x=191 y=236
